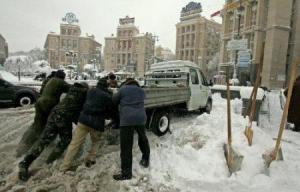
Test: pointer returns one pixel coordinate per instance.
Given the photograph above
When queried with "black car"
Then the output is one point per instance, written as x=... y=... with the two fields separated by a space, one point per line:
x=17 y=95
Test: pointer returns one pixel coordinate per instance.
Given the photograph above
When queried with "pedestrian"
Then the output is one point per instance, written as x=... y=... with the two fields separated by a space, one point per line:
x=52 y=74
x=294 y=108
x=97 y=108
x=49 y=98
x=130 y=98
x=112 y=82
x=59 y=123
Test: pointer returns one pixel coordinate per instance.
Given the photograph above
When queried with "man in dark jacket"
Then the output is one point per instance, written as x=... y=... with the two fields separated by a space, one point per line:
x=294 y=109
x=97 y=107
x=59 y=123
x=49 y=98
x=130 y=98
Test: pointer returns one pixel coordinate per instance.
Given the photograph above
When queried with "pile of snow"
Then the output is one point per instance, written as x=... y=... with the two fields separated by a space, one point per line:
x=245 y=93
x=189 y=159
x=41 y=66
x=90 y=67
x=13 y=63
x=224 y=87
x=26 y=65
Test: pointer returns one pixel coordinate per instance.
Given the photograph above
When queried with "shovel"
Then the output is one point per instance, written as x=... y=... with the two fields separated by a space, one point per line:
x=248 y=130
x=276 y=153
x=233 y=159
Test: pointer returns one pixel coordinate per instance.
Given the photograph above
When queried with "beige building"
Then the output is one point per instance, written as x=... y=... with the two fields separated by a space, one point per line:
x=84 y=49
x=3 y=50
x=197 y=38
x=275 y=22
x=164 y=54
x=129 y=50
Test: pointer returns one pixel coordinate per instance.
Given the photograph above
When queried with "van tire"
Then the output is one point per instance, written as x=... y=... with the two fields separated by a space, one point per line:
x=160 y=124
x=208 y=106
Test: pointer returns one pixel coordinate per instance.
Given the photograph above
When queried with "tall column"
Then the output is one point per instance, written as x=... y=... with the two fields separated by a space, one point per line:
x=277 y=39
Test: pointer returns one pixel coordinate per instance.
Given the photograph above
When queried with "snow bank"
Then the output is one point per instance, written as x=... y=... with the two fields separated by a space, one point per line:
x=246 y=93
x=190 y=159
x=41 y=66
x=26 y=64
x=224 y=87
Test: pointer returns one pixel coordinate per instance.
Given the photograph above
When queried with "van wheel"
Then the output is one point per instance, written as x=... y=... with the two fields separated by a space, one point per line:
x=24 y=100
x=161 y=123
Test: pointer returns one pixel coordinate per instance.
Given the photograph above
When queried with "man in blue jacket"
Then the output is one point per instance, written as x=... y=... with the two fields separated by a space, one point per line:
x=130 y=98
x=97 y=108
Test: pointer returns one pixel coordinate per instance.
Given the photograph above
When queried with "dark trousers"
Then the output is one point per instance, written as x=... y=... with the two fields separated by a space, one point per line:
x=126 y=136
x=55 y=126
x=33 y=133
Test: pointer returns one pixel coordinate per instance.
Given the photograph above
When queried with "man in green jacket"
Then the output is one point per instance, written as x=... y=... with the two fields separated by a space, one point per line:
x=59 y=123
x=49 y=98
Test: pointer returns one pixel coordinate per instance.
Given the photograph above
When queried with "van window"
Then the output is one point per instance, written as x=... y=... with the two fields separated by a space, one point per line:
x=204 y=81
x=194 y=76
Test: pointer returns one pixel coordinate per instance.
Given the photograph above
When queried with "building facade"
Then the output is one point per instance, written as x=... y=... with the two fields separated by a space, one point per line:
x=197 y=38
x=129 y=50
x=164 y=54
x=69 y=47
x=274 y=23
x=3 y=50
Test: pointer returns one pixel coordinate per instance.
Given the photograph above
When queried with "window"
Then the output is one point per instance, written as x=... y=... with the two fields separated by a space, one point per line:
x=182 y=30
x=204 y=81
x=74 y=43
x=193 y=27
x=194 y=76
x=118 y=59
x=63 y=43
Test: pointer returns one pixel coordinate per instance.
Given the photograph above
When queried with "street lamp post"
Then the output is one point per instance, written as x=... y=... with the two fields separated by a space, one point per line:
x=72 y=55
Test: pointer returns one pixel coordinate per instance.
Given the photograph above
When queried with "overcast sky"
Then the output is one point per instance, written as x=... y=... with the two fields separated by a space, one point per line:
x=26 y=23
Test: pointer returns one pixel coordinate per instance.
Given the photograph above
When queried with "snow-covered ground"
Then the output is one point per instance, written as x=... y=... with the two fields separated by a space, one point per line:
x=189 y=159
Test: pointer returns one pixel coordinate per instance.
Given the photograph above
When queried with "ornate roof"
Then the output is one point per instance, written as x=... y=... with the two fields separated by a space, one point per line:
x=191 y=7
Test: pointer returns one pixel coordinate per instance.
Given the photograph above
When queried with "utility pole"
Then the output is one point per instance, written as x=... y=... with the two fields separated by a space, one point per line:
x=19 y=69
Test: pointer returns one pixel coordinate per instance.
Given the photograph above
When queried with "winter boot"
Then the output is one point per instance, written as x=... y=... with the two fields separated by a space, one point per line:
x=23 y=171
x=144 y=163
x=122 y=176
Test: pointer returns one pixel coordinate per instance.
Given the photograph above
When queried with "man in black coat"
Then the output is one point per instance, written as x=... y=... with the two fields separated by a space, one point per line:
x=130 y=98
x=59 y=123
x=97 y=108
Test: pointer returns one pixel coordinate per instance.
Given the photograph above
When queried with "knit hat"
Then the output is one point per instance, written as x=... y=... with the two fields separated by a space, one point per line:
x=60 y=74
x=102 y=83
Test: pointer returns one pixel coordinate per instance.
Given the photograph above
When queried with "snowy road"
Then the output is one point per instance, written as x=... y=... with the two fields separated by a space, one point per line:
x=189 y=159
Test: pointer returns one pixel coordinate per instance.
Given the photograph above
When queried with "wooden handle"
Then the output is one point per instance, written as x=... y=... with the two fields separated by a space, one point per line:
x=256 y=85
x=228 y=110
x=286 y=106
